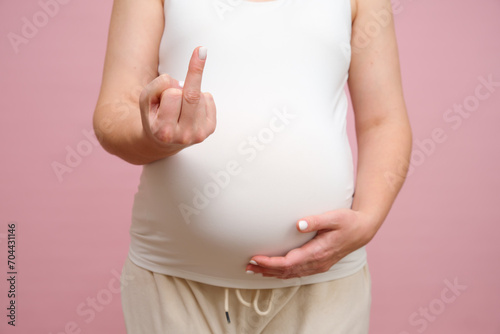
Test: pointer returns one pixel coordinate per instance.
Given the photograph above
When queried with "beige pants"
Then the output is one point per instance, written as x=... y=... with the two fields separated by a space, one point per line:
x=155 y=303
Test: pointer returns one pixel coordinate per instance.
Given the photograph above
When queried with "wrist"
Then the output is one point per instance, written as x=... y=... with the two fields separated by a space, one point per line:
x=371 y=223
x=148 y=149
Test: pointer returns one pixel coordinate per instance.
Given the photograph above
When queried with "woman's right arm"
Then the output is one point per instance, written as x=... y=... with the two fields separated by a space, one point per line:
x=142 y=117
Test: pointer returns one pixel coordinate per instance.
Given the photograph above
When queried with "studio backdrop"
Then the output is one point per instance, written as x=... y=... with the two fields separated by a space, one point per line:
x=66 y=204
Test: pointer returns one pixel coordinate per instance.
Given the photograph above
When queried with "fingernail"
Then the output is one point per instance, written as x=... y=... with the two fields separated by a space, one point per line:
x=181 y=83
x=202 y=52
x=253 y=262
x=250 y=272
x=302 y=225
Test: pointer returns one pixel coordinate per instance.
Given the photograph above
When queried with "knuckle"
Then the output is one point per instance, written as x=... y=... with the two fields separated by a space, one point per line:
x=192 y=96
x=163 y=77
x=165 y=136
x=342 y=215
x=198 y=137
x=211 y=129
x=162 y=80
x=158 y=83
x=174 y=92
x=208 y=97
x=186 y=138
x=318 y=255
x=171 y=94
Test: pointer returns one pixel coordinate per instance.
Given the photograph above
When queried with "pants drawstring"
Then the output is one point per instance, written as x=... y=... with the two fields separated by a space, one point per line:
x=226 y=304
x=247 y=304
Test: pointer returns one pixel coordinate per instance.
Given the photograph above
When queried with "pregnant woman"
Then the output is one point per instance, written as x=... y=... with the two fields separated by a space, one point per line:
x=248 y=218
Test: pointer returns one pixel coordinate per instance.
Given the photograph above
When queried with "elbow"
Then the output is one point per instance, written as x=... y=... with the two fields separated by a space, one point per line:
x=102 y=129
x=98 y=128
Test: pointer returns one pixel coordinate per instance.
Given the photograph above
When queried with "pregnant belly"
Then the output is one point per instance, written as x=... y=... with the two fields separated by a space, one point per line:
x=213 y=217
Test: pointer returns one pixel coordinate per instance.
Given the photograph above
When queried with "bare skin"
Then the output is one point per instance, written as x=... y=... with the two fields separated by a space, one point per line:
x=141 y=118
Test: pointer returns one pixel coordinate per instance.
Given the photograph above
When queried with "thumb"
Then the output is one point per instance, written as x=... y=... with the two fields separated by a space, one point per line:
x=151 y=94
x=326 y=221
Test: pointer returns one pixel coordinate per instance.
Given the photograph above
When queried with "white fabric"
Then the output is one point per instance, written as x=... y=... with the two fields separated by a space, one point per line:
x=277 y=71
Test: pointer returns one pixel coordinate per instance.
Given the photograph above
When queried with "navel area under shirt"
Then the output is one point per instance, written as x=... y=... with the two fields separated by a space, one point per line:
x=277 y=71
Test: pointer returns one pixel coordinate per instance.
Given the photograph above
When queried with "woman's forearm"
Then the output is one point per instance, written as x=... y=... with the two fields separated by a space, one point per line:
x=131 y=61
x=383 y=155
x=119 y=129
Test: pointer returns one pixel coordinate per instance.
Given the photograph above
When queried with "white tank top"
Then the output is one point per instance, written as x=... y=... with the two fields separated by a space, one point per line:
x=277 y=71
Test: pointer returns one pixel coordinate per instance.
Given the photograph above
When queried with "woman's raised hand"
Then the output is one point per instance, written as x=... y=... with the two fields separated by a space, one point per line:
x=174 y=116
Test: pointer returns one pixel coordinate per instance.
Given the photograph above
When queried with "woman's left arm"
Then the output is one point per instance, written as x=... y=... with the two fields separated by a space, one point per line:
x=384 y=146
x=382 y=127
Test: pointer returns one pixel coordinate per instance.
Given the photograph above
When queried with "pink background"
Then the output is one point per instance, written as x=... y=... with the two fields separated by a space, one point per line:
x=73 y=233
